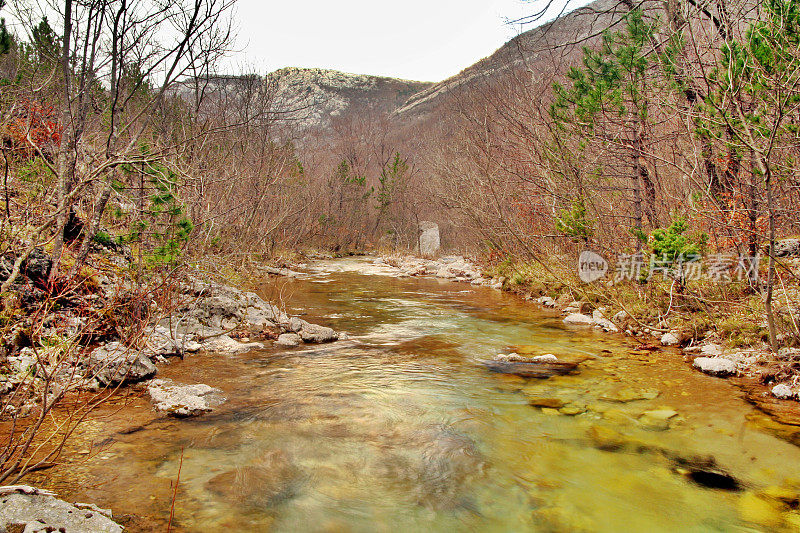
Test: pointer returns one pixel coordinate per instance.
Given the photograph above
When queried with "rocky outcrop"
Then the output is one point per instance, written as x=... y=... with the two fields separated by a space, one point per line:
x=29 y=510
x=115 y=363
x=183 y=401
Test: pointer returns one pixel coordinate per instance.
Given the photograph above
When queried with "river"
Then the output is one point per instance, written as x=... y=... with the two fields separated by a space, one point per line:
x=401 y=428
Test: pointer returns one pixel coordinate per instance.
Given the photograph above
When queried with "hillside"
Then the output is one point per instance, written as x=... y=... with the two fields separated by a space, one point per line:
x=532 y=50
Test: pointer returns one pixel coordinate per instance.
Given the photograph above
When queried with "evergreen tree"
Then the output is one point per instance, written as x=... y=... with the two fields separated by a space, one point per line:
x=607 y=101
x=6 y=41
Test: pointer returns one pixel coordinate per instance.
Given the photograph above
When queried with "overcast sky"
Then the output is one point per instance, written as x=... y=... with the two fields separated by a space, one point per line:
x=426 y=40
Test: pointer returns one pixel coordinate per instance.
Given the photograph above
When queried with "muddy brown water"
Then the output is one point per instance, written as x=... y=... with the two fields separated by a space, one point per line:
x=402 y=428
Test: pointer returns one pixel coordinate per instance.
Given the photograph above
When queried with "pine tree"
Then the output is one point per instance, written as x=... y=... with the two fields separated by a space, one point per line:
x=609 y=94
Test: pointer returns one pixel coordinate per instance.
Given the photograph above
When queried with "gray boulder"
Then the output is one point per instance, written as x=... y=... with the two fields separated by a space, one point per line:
x=711 y=349
x=315 y=333
x=29 y=510
x=115 y=363
x=228 y=346
x=715 y=366
x=606 y=325
x=289 y=340
x=183 y=400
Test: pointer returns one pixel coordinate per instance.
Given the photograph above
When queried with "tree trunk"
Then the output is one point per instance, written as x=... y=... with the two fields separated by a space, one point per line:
x=89 y=234
x=63 y=164
x=773 y=337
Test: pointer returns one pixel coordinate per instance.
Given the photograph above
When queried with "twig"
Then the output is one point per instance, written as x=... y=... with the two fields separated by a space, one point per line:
x=175 y=494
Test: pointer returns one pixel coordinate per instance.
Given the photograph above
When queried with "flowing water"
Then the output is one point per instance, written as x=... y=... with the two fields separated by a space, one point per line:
x=401 y=428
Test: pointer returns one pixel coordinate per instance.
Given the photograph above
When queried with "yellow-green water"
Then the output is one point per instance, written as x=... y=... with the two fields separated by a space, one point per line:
x=402 y=429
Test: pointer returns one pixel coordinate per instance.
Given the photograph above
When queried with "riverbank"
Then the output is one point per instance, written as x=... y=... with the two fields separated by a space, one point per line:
x=737 y=350
x=84 y=344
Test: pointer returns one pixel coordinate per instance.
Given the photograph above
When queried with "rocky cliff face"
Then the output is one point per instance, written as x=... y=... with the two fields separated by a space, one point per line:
x=312 y=98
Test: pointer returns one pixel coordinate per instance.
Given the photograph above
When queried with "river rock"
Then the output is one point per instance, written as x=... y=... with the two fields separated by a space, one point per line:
x=532 y=369
x=715 y=366
x=183 y=400
x=628 y=394
x=578 y=319
x=226 y=345
x=764 y=512
x=671 y=338
x=551 y=403
x=29 y=510
x=315 y=333
x=619 y=317
x=711 y=349
x=607 y=439
x=445 y=273
x=115 y=363
x=783 y=391
x=511 y=358
x=606 y=325
x=289 y=340
x=546 y=301
x=660 y=414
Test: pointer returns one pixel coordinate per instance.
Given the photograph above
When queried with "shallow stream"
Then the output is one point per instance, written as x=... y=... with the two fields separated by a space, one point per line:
x=401 y=428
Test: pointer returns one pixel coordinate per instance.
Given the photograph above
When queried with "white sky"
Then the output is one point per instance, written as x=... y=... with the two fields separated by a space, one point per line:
x=427 y=40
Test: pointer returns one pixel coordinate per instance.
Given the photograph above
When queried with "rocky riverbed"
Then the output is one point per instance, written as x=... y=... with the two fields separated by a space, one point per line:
x=765 y=373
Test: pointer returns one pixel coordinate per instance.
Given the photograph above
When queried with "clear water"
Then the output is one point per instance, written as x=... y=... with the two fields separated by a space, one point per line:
x=402 y=429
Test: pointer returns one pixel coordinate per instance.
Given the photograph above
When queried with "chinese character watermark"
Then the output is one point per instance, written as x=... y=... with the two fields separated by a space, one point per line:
x=719 y=268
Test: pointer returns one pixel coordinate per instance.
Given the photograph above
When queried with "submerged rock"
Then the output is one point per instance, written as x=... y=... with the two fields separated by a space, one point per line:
x=715 y=366
x=532 y=369
x=551 y=403
x=26 y=509
x=607 y=439
x=626 y=395
x=183 y=400
x=266 y=482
